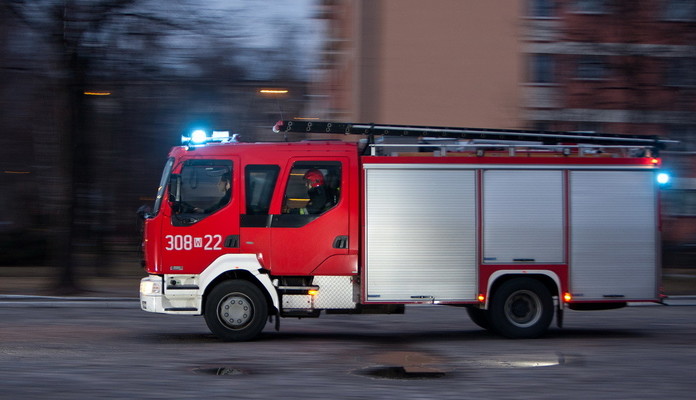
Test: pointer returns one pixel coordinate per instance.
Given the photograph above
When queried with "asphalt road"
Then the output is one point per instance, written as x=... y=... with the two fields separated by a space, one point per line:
x=113 y=350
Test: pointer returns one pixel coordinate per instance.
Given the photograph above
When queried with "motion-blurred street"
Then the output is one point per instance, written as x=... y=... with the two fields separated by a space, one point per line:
x=110 y=349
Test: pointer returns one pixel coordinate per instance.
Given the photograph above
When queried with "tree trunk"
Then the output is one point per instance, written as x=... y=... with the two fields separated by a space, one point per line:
x=74 y=166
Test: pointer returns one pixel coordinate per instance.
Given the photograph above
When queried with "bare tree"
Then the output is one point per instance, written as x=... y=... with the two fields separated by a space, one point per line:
x=81 y=37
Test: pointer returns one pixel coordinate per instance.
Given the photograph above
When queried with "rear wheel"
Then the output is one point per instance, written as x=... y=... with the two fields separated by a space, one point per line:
x=236 y=311
x=521 y=308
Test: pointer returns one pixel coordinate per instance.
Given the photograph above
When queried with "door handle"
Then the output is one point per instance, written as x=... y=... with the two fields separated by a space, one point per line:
x=232 y=241
x=341 y=242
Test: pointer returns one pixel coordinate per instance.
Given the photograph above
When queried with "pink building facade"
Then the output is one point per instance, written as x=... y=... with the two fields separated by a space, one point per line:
x=615 y=66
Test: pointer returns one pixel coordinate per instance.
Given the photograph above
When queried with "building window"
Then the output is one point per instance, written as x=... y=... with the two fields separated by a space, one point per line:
x=541 y=8
x=679 y=10
x=589 y=6
x=588 y=126
x=541 y=126
x=685 y=134
x=681 y=72
x=541 y=68
x=591 y=67
x=680 y=203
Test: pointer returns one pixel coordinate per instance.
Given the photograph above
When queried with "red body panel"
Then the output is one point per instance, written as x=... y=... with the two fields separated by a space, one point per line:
x=190 y=249
x=300 y=250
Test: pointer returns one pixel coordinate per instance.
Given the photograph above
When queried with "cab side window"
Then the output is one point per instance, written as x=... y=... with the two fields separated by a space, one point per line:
x=314 y=187
x=202 y=188
x=205 y=189
x=260 y=184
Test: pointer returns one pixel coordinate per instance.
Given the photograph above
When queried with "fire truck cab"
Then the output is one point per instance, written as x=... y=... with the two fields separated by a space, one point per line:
x=515 y=229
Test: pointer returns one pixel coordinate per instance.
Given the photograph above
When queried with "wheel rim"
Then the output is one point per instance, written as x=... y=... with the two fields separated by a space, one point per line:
x=235 y=311
x=523 y=308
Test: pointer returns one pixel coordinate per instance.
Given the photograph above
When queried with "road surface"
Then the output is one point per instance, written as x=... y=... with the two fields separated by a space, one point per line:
x=112 y=350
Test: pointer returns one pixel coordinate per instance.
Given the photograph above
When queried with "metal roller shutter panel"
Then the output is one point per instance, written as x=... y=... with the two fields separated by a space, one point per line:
x=523 y=217
x=421 y=234
x=613 y=234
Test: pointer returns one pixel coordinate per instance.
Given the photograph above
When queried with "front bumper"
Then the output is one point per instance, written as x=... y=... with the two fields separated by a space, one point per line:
x=154 y=299
x=151 y=288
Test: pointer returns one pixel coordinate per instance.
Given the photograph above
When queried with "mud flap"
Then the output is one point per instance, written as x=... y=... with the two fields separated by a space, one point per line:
x=275 y=317
x=559 y=317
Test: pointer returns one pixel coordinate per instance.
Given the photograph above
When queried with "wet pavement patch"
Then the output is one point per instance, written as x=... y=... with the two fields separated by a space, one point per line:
x=402 y=373
x=525 y=361
x=220 y=371
x=404 y=365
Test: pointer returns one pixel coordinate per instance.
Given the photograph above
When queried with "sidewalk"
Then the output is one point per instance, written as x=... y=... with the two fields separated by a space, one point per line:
x=122 y=280
x=679 y=281
x=34 y=287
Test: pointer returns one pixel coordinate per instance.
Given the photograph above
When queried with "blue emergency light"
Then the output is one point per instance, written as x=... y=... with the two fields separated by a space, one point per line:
x=200 y=137
x=663 y=178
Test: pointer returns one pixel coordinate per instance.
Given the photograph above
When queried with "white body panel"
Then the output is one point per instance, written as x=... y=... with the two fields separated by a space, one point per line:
x=188 y=298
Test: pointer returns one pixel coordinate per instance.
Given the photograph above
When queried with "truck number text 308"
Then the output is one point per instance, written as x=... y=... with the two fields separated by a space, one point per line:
x=188 y=242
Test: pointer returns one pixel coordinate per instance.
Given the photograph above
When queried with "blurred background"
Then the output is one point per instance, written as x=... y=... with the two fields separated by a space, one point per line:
x=94 y=93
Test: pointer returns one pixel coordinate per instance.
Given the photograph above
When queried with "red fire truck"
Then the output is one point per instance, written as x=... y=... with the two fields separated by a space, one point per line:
x=513 y=225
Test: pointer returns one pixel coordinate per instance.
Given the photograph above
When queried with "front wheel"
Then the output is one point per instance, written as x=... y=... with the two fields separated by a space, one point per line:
x=236 y=311
x=521 y=308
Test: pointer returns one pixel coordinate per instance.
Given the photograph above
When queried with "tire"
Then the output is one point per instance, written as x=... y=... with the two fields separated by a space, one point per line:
x=521 y=308
x=236 y=311
x=479 y=317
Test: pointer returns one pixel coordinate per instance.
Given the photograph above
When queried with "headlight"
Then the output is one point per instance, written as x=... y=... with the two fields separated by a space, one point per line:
x=148 y=287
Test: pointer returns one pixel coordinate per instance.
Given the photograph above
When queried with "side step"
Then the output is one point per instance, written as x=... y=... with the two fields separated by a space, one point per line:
x=371 y=309
x=300 y=313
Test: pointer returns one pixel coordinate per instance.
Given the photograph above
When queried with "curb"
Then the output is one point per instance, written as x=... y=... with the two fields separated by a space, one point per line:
x=671 y=301
x=22 y=301
x=70 y=304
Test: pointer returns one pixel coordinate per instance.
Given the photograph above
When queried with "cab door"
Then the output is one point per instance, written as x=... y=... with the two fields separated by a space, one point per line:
x=203 y=220
x=311 y=233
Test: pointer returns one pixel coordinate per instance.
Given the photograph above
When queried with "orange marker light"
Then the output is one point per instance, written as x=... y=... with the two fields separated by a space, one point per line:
x=567 y=297
x=481 y=298
x=312 y=292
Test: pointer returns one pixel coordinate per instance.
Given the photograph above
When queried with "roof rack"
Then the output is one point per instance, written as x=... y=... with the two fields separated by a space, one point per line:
x=545 y=137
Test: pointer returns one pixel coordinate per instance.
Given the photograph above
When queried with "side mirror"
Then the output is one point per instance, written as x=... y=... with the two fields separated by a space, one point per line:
x=144 y=212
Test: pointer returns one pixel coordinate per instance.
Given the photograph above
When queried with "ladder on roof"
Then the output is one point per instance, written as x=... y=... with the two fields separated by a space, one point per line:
x=545 y=137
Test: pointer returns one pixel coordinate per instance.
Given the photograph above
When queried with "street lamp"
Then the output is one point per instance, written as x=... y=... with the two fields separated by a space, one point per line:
x=274 y=91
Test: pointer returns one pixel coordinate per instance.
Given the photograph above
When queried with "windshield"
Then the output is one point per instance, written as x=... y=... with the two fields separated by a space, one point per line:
x=163 y=185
